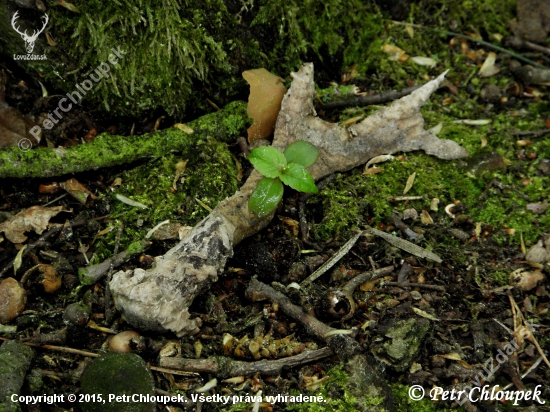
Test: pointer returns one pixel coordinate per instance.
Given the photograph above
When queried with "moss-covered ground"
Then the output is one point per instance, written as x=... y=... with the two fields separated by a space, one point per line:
x=180 y=54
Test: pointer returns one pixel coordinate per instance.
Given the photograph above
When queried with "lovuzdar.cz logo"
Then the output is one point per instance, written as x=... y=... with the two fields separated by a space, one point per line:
x=29 y=39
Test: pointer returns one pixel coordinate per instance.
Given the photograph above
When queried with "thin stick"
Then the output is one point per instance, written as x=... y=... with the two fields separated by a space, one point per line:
x=374 y=99
x=225 y=367
x=531 y=369
x=55 y=200
x=172 y=371
x=405 y=198
x=95 y=355
x=404 y=245
x=483 y=42
x=415 y=285
x=522 y=324
x=333 y=260
x=533 y=133
x=518 y=43
x=365 y=277
x=342 y=345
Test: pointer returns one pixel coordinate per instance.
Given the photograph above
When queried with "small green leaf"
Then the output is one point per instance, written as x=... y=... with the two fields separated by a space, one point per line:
x=298 y=178
x=302 y=153
x=268 y=161
x=266 y=196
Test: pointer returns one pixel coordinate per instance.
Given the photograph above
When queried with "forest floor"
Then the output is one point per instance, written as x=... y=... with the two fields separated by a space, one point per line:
x=480 y=317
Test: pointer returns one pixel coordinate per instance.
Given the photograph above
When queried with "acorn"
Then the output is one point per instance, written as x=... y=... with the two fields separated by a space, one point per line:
x=120 y=343
x=337 y=304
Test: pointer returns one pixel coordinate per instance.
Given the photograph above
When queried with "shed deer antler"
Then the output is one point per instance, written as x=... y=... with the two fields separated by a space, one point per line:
x=29 y=40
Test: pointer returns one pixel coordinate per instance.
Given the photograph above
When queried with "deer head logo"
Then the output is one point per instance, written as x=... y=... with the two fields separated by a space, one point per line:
x=29 y=40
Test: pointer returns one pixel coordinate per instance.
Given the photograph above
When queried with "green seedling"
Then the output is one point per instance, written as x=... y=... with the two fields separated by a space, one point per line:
x=278 y=168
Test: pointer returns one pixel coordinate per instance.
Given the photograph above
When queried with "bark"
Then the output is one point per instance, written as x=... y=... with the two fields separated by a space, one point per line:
x=159 y=298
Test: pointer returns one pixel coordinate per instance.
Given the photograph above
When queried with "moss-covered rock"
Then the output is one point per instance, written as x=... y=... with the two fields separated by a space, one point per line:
x=405 y=338
x=121 y=375
x=15 y=359
x=177 y=54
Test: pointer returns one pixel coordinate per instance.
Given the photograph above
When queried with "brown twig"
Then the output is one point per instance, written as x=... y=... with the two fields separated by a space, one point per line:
x=365 y=277
x=342 y=345
x=518 y=43
x=532 y=133
x=226 y=367
x=92 y=274
x=381 y=98
x=415 y=285
x=339 y=303
x=404 y=228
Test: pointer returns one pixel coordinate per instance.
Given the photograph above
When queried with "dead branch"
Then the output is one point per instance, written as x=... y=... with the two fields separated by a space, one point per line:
x=342 y=345
x=368 y=100
x=91 y=274
x=225 y=367
x=532 y=133
x=415 y=285
x=364 y=277
x=518 y=43
x=159 y=298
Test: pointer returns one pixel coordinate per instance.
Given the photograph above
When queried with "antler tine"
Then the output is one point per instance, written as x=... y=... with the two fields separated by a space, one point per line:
x=35 y=33
x=14 y=18
x=45 y=23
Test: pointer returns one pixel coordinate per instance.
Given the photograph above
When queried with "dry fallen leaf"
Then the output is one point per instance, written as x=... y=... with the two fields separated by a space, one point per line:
x=168 y=231
x=184 y=128
x=292 y=224
x=395 y=52
x=35 y=218
x=410 y=182
x=526 y=280
x=537 y=253
x=266 y=94
x=67 y=5
x=18 y=261
x=424 y=314
x=50 y=279
x=537 y=208
x=77 y=190
x=488 y=68
x=425 y=218
x=424 y=61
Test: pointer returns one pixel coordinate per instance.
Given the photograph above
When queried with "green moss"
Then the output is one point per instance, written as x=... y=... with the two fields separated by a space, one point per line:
x=178 y=54
x=210 y=176
x=135 y=247
x=334 y=391
x=405 y=404
x=352 y=200
x=117 y=374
